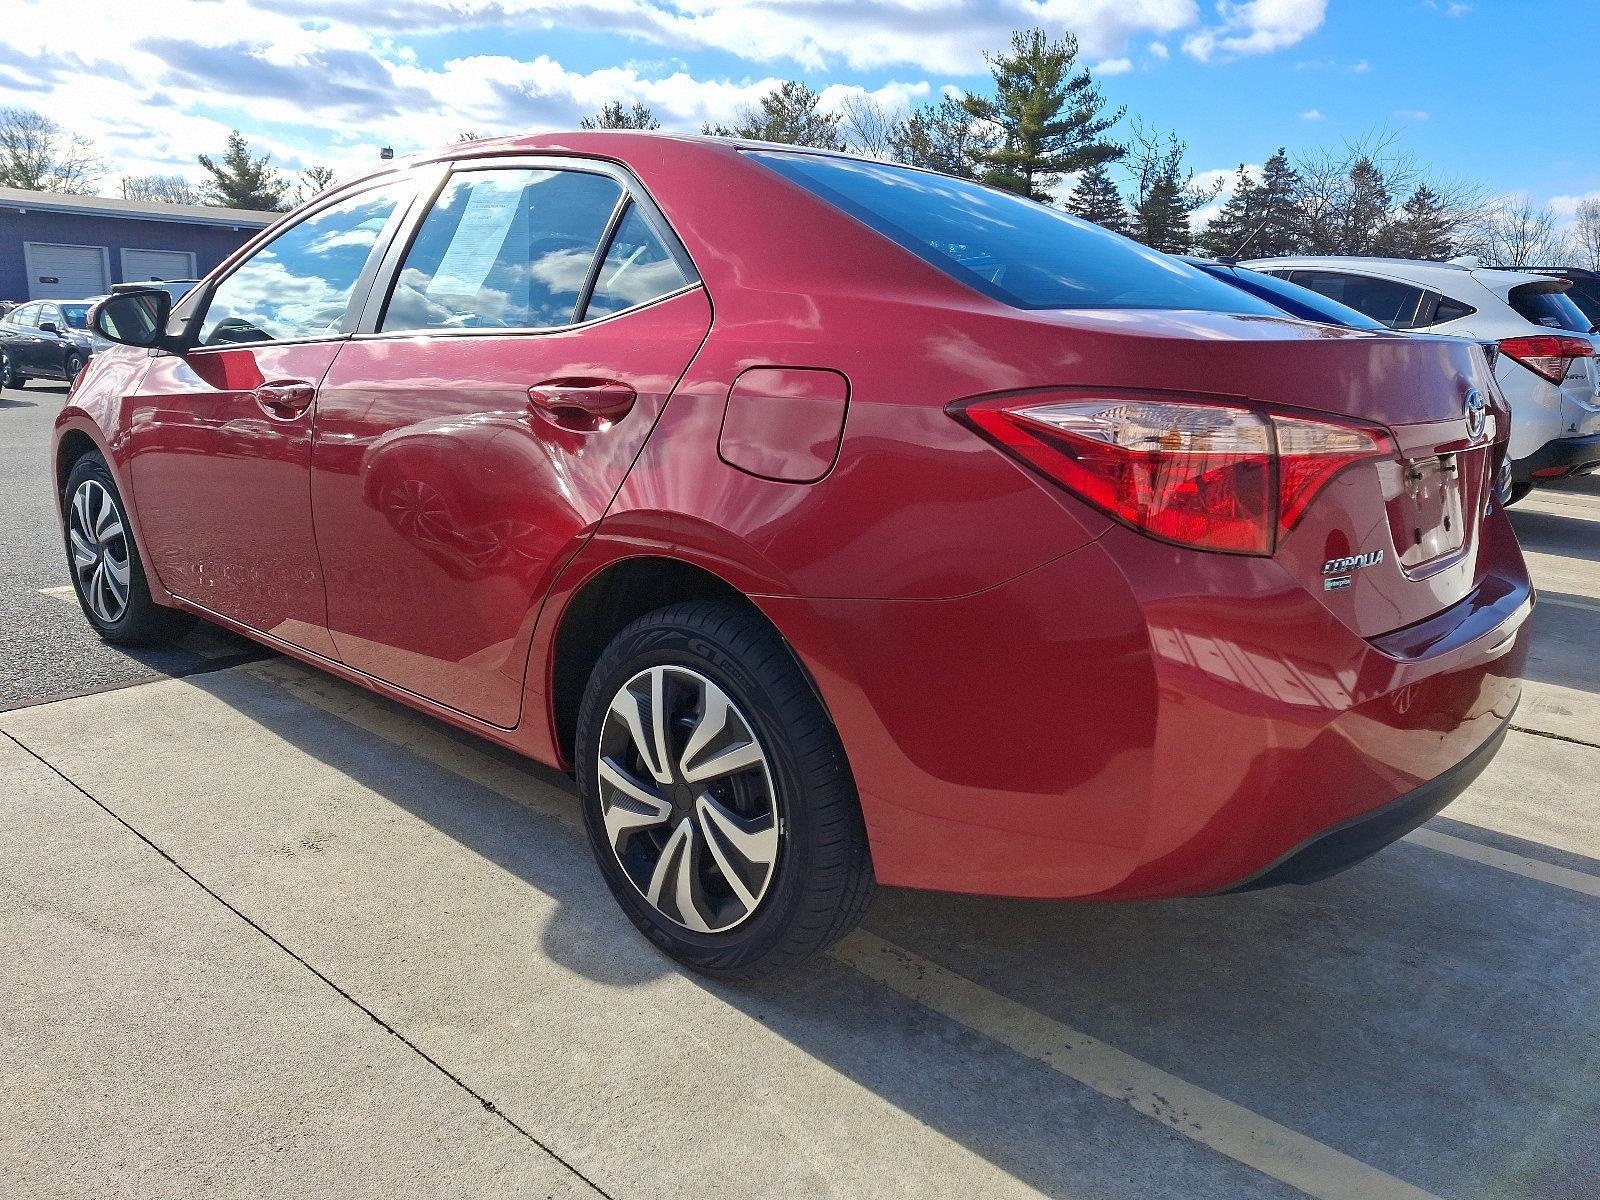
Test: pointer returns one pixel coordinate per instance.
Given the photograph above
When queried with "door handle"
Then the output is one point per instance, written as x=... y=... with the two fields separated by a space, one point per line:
x=285 y=399
x=582 y=405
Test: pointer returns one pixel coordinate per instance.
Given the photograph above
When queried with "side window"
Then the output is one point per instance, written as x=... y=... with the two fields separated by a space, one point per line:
x=637 y=267
x=27 y=315
x=298 y=285
x=1395 y=304
x=1450 y=310
x=50 y=312
x=503 y=249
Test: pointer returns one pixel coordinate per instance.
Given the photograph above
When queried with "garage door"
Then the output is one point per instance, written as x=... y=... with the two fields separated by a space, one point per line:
x=139 y=266
x=65 y=272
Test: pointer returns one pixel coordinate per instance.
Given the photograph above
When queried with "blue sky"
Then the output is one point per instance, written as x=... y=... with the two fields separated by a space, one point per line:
x=1492 y=90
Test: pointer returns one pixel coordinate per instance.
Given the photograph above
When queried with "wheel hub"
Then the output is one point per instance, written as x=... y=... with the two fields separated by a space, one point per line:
x=97 y=544
x=688 y=800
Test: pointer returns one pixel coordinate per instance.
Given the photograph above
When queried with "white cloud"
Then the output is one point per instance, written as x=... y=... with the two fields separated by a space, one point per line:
x=1113 y=66
x=1311 y=114
x=1159 y=50
x=1565 y=208
x=1256 y=27
x=1228 y=177
x=1411 y=114
x=1360 y=68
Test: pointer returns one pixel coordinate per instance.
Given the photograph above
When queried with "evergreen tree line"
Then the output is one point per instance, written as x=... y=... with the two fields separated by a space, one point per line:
x=1043 y=130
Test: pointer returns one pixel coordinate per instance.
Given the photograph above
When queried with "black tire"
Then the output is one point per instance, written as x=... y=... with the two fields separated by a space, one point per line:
x=1519 y=491
x=73 y=366
x=142 y=622
x=8 y=374
x=821 y=881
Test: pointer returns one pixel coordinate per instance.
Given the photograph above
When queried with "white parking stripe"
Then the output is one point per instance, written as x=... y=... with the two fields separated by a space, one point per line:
x=60 y=593
x=1570 y=602
x=1273 y=1149
x=1202 y=1116
x=1504 y=860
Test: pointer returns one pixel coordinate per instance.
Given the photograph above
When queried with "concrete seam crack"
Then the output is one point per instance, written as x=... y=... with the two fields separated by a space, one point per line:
x=488 y=1105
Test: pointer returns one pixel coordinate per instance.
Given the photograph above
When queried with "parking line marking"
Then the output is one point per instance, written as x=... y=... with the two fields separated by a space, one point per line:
x=1504 y=860
x=60 y=593
x=1570 y=602
x=1231 y=1129
x=1228 y=1128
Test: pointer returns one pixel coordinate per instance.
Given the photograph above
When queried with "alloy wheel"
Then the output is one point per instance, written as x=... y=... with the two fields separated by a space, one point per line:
x=687 y=798
x=98 y=543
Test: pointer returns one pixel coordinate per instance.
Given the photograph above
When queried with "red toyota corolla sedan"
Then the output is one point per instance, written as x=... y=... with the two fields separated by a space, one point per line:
x=832 y=521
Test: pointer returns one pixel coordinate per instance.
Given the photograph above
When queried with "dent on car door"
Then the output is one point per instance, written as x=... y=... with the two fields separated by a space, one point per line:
x=474 y=435
x=220 y=437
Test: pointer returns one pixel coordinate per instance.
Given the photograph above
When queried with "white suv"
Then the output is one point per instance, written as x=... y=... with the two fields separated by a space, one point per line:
x=1547 y=366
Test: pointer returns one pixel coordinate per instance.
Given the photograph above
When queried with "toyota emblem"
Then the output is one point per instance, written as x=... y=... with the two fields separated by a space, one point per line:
x=1477 y=414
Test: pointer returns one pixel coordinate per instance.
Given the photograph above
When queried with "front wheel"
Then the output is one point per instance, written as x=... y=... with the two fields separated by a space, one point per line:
x=716 y=794
x=106 y=572
x=73 y=366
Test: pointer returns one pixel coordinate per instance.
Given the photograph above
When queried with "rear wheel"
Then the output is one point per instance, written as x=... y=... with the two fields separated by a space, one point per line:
x=716 y=794
x=106 y=572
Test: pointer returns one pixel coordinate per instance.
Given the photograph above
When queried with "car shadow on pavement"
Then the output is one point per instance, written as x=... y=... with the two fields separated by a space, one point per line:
x=1432 y=1017
x=1556 y=533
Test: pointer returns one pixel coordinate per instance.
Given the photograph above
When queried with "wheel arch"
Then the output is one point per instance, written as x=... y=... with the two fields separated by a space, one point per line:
x=611 y=598
x=73 y=445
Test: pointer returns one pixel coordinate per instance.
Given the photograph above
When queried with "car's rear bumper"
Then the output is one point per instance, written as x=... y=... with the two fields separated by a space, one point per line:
x=1554 y=459
x=1129 y=723
x=1362 y=836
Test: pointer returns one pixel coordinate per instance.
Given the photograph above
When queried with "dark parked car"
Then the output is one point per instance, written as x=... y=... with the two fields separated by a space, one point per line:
x=1293 y=299
x=46 y=339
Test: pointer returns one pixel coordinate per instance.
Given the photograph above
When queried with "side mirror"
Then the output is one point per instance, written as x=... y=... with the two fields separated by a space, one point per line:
x=135 y=317
x=49 y=327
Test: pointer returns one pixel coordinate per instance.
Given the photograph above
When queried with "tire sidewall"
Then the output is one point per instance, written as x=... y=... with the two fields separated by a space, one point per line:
x=636 y=649
x=92 y=466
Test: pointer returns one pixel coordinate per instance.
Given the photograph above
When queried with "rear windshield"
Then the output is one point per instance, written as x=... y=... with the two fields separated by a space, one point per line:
x=1587 y=297
x=1292 y=298
x=1550 y=309
x=1017 y=251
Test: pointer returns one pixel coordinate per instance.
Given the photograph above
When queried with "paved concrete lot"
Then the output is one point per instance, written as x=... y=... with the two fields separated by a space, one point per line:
x=268 y=934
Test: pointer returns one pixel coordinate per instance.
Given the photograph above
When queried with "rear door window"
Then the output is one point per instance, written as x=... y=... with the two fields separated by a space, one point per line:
x=1017 y=251
x=27 y=316
x=638 y=267
x=504 y=249
x=1538 y=303
x=1384 y=300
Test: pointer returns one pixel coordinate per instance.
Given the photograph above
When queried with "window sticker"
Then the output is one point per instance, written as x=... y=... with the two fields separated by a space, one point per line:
x=491 y=208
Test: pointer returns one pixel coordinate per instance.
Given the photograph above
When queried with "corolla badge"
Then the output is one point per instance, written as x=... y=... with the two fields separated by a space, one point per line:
x=1337 y=572
x=1477 y=414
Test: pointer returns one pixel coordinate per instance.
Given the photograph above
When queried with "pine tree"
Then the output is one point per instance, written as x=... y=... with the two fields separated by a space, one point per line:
x=1424 y=229
x=1095 y=198
x=1228 y=231
x=1049 y=118
x=940 y=137
x=240 y=181
x=1369 y=210
x=1278 y=225
x=1164 y=192
x=614 y=116
x=789 y=113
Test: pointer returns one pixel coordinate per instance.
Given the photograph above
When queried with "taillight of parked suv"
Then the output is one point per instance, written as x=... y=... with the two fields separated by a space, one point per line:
x=1548 y=355
x=1212 y=476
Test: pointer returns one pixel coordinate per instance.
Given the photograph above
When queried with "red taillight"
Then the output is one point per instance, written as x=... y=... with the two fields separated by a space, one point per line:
x=1216 y=476
x=1547 y=354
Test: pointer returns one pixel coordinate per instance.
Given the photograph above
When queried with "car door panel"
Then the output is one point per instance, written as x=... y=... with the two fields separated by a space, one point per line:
x=219 y=445
x=446 y=501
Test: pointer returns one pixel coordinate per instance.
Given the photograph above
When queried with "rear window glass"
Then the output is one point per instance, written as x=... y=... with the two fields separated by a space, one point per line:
x=1017 y=251
x=1587 y=297
x=1550 y=309
x=1394 y=304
